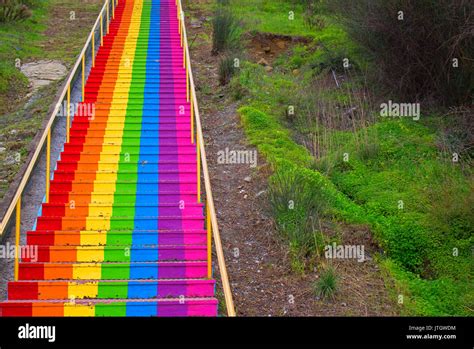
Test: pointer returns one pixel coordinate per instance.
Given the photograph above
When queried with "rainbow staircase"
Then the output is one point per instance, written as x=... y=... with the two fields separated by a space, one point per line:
x=123 y=233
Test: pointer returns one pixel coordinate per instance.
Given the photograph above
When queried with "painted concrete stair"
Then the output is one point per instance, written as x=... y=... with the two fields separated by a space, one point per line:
x=122 y=233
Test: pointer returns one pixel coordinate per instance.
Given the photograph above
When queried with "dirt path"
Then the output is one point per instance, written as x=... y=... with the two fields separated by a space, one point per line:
x=263 y=283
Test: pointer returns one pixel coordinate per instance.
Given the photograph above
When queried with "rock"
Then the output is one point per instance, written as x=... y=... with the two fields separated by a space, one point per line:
x=196 y=23
x=267 y=49
x=42 y=73
x=268 y=69
x=2 y=149
x=281 y=44
x=344 y=304
x=10 y=160
x=248 y=179
x=13 y=132
x=296 y=72
x=263 y=62
x=260 y=193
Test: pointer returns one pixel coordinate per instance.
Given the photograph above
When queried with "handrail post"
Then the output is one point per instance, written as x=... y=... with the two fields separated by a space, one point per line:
x=83 y=76
x=93 y=47
x=68 y=118
x=209 y=241
x=187 y=85
x=108 y=16
x=192 y=117
x=17 y=236
x=101 y=30
x=198 y=170
x=48 y=164
x=113 y=9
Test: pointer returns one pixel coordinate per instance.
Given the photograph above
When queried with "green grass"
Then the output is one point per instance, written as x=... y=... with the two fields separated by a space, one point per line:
x=272 y=16
x=401 y=163
x=398 y=162
x=16 y=43
x=371 y=193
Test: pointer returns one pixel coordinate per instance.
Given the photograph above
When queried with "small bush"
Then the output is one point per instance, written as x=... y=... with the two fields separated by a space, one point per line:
x=369 y=150
x=327 y=284
x=415 y=53
x=13 y=10
x=227 y=69
x=226 y=31
x=298 y=205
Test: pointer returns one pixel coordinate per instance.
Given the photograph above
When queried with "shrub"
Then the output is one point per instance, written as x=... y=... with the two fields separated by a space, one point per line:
x=415 y=55
x=13 y=10
x=298 y=205
x=227 y=69
x=226 y=31
x=326 y=285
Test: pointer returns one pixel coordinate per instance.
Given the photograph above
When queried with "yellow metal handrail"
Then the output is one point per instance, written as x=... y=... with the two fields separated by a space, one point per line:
x=15 y=204
x=211 y=219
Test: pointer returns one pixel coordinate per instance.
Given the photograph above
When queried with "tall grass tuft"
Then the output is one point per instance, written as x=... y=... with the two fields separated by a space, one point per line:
x=13 y=10
x=327 y=284
x=227 y=69
x=298 y=206
x=226 y=30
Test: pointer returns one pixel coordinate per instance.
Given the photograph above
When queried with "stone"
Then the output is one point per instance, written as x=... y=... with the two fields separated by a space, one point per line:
x=267 y=49
x=248 y=179
x=196 y=23
x=268 y=69
x=10 y=160
x=43 y=72
x=281 y=44
x=263 y=62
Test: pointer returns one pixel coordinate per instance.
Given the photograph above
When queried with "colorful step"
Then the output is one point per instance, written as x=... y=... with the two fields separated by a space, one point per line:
x=123 y=233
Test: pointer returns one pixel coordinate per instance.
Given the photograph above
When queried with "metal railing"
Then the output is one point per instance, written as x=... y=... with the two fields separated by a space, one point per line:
x=197 y=137
x=106 y=14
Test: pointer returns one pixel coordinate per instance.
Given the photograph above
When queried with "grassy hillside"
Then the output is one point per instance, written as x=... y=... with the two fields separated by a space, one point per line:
x=393 y=174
